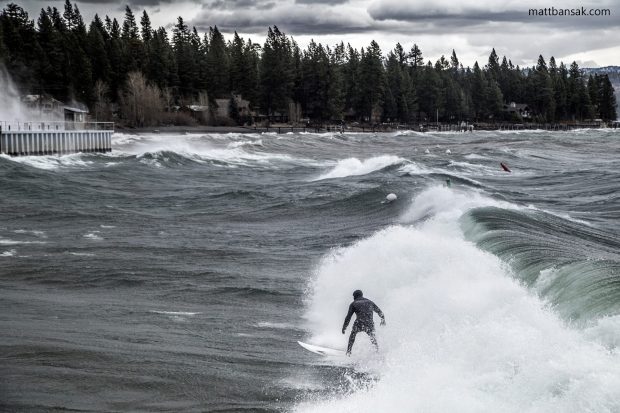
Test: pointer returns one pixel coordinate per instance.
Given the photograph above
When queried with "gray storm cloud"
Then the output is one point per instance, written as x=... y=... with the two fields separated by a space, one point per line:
x=472 y=27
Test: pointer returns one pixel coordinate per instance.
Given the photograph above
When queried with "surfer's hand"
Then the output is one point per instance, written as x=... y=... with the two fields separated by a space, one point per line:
x=383 y=321
x=343 y=330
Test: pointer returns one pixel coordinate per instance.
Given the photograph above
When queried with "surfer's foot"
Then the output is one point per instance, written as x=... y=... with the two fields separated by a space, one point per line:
x=349 y=353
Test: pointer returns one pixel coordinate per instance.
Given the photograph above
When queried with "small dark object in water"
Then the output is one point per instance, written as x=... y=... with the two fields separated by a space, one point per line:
x=504 y=167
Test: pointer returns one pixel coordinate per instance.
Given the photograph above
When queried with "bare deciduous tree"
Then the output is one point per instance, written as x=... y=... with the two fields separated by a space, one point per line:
x=102 y=110
x=141 y=104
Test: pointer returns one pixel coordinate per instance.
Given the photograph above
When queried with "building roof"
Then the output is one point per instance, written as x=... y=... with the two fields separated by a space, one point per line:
x=516 y=107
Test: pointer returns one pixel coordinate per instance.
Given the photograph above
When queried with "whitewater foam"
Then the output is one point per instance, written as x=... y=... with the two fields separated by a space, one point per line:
x=51 y=162
x=36 y=233
x=175 y=313
x=7 y=241
x=151 y=149
x=354 y=166
x=93 y=236
x=279 y=326
x=462 y=335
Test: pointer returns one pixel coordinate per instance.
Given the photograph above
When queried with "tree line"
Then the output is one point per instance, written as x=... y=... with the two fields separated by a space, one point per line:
x=104 y=64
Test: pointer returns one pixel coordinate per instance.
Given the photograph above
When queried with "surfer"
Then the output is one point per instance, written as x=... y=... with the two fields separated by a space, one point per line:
x=363 y=309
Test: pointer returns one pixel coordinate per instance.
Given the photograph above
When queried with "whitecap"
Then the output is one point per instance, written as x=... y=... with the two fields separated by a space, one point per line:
x=175 y=313
x=354 y=166
x=93 y=236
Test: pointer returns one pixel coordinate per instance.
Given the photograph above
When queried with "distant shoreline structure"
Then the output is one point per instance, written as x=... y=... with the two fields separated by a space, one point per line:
x=284 y=128
x=54 y=138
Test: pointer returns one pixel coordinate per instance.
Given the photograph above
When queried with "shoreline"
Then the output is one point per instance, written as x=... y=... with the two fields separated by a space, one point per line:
x=185 y=129
x=382 y=129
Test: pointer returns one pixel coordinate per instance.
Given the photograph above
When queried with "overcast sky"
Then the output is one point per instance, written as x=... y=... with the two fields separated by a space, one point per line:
x=471 y=27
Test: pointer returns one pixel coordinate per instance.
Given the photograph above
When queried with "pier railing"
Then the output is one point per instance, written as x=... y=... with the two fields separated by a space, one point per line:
x=51 y=126
x=49 y=138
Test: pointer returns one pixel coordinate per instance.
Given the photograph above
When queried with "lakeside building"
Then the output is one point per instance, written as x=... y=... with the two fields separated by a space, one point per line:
x=56 y=129
x=520 y=109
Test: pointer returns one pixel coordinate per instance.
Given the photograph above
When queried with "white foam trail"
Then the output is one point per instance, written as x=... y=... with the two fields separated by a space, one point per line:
x=237 y=144
x=51 y=162
x=93 y=236
x=475 y=156
x=82 y=254
x=280 y=326
x=462 y=335
x=9 y=253
x=6 y=241
x=199 y=148
x=175 y=313
x=39 y=234
x=562 y=215
x=417 y=169
x=353 y=166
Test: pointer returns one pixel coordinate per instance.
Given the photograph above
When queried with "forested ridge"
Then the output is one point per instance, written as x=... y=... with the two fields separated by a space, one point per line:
x=59 y=55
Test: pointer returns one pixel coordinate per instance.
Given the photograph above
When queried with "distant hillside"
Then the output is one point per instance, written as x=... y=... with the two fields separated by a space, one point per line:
x=603 y=70
x=613 y=72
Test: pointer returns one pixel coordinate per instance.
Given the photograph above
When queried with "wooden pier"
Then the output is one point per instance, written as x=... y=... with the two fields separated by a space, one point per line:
x=54 y=138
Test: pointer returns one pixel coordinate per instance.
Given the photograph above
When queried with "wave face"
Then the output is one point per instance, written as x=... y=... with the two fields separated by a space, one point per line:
x=353 y=166
x=183 y=259
x=462 y=334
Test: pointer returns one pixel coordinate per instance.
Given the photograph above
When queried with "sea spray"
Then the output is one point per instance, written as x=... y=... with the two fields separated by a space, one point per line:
x=11 y=108
x=462 y=335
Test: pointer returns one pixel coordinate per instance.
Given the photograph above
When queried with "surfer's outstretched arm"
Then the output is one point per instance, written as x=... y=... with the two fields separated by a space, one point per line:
x=348 y=318
x=378 y=311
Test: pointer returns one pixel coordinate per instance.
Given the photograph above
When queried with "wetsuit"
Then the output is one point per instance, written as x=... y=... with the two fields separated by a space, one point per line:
x=363 y=309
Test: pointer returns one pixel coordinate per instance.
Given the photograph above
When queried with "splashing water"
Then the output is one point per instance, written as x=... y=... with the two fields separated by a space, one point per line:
x=462 y=334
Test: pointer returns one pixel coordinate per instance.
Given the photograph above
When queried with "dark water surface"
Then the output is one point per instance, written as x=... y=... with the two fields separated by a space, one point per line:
x=178 y=272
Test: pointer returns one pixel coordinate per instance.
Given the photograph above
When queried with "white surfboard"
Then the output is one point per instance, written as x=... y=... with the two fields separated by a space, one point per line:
x=323 y=351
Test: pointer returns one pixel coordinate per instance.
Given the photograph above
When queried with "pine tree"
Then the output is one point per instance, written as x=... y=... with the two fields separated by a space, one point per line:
x=593 y=86
x=97 y=51
x=430 y=96
x=276 y=75
x=21 y=46
x=133 y=50
x=52 y=60
x=186 y=67
x=542 y=85
x=560 y=79
x=146 y=30
x=579 y=101
x=115 y=56
x=335 y=91
x=479 y=93
x=371 y=82
x=250 y=85
x=315 y=81
x=350 y=81
x=493 y=68
x=454 y=61
x=394 y=104
x=217 y=65
x=237 y=64
x=3 y=51
x=415 y=57
x=607 y=99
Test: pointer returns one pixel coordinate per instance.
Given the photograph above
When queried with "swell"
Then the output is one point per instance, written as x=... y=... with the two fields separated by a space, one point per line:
x=576 y=267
